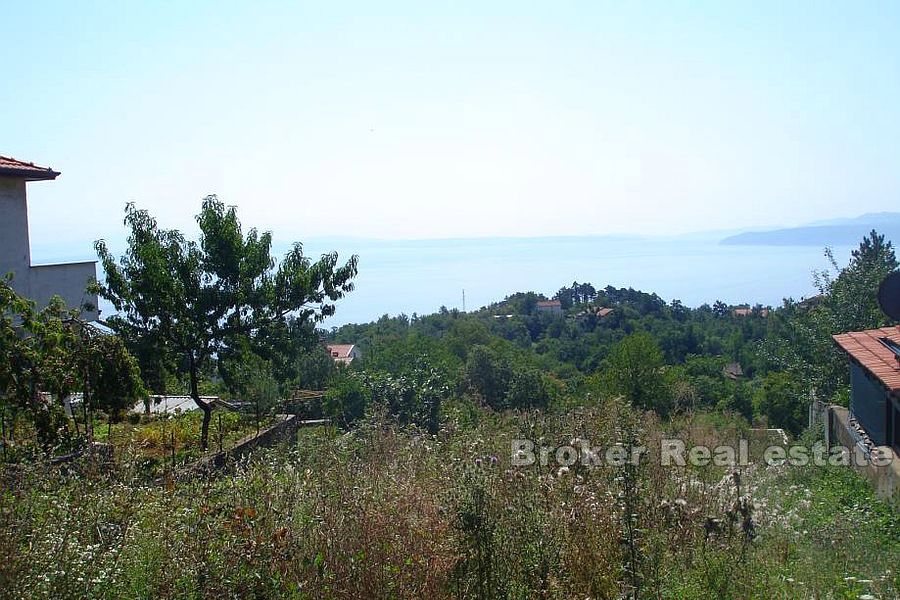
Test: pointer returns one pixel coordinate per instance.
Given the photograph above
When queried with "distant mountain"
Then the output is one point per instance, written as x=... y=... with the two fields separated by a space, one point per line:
x=836 y=232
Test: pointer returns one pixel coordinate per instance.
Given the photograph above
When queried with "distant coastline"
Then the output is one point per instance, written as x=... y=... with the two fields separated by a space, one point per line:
x=844 y=232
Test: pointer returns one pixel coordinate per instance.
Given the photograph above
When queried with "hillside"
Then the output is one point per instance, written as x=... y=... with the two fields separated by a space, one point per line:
x=842 y=232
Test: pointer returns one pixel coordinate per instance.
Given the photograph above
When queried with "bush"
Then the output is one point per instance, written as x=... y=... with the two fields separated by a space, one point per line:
x=414 y=398
x=345 y=400
x=488 y=375
x=782 y=400
x=527 y=389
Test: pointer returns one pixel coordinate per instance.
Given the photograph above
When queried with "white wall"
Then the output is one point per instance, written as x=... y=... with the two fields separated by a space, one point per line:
x=39 y=283
x=15 y=252
x=68 y=281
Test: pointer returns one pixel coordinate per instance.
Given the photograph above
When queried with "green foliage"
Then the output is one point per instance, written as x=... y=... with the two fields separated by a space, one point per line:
x=197 y=300
x=501 y=382
x=800 y=341
x=346 y=400
x=634 y=370
x=46 y=355
x=111 y=379
x=488 y=375
x=252 y=381
x=313 y=369
x=783 y=400
x=414 y=397
x=380 y=512
x=527 y=389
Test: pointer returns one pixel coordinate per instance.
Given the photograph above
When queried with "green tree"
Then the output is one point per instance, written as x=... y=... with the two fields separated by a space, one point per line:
x=35 y=357
x=109 y=375
x=488 y=375
x=195 y=300
x=634 y=369
x=345 y=401
x=801 y=339
x=527 y=389
x=51 y=352
x=782 y=400
x=313 y=369
x=852 y=295
x=414 y=397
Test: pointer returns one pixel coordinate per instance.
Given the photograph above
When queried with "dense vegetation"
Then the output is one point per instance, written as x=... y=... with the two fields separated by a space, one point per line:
x=385 y=512
x=761 y=363
x=412 y=491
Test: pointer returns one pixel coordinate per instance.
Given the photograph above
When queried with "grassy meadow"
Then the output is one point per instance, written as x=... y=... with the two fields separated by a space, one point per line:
x=390 y=512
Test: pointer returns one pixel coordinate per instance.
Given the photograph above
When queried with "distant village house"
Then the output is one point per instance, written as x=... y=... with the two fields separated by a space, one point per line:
x=875 y=383
x=37 y=282
x=746 y=311
x=592 y=311
x=343 y=353
x=553 y=307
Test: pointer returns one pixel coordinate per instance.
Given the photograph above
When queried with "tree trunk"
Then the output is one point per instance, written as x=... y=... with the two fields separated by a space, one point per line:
x=204 y=406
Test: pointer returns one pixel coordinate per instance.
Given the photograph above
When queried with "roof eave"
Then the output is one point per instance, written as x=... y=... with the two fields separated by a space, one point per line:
x=30 y=174
x=893 y=392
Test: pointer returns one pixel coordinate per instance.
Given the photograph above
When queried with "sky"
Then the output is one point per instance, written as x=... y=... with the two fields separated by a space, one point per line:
x=453 y=119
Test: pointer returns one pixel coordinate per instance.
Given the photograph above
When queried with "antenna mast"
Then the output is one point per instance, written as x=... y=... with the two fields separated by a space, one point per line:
x=464 y=299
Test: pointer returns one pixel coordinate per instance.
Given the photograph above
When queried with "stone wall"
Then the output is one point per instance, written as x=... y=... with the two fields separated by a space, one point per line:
x=284 y=430
x=882 y=469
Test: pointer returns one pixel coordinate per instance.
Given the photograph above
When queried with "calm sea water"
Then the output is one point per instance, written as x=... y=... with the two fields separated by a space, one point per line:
x=421 y=276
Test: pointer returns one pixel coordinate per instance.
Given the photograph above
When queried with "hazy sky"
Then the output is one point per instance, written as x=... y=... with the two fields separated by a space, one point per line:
x=447 y=119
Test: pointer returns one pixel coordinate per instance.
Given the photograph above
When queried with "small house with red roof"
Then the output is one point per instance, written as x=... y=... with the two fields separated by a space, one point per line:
x=343 y=353
x=553 y=307
x=875 y=382
x=37 y=282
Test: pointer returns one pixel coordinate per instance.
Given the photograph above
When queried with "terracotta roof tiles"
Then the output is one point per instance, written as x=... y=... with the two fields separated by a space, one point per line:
x=10 y=167
x=340 y=350
x=866 y=349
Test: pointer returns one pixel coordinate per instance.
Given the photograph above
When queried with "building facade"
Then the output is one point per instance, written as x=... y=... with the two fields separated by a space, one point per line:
x=343 y=353
x=875 y=382
x=553 y=307
x=40 y=283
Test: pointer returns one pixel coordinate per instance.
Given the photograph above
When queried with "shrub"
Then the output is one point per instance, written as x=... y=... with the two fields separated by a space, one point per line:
x=345 y=400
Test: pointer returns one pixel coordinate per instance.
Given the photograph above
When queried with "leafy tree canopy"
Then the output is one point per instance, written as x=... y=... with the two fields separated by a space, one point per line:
x=198 y=299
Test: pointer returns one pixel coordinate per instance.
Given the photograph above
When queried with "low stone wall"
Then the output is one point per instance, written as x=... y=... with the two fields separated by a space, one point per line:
x=882 y=470
x=282 y=431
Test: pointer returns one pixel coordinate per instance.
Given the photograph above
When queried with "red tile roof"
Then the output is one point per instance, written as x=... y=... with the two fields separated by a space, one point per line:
x=340 y=350
x=872 y=355
x=342 y=353
x=10 y=167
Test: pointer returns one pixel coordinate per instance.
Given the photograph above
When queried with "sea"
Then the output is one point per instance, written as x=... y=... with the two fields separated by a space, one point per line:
x=407 y=277
x=422 y=276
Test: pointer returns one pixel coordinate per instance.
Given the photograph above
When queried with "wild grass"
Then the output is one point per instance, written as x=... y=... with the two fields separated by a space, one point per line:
x=384 y=512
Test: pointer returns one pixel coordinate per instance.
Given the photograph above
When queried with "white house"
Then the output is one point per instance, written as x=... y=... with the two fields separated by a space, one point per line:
x=343 y=353
x=37 y=282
